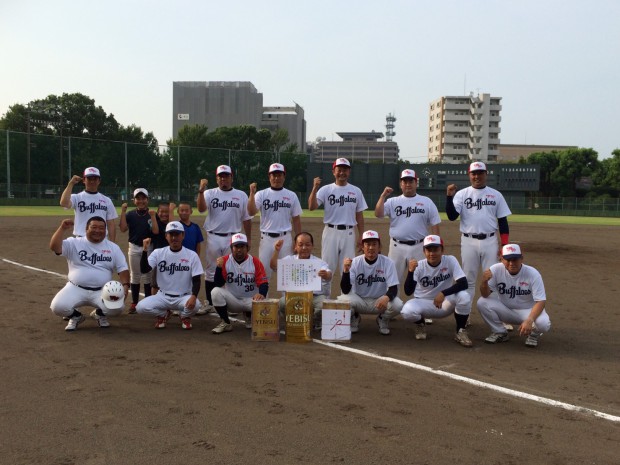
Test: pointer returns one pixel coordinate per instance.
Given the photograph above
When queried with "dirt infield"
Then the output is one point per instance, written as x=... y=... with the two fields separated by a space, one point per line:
x=135 y=395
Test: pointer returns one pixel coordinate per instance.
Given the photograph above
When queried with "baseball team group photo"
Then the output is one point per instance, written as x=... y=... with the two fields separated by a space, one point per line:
x=400 y=298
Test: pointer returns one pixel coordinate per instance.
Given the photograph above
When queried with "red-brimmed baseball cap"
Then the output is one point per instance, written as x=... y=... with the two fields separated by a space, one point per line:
x=341 y=162
x=432 y=241
x=223 y=169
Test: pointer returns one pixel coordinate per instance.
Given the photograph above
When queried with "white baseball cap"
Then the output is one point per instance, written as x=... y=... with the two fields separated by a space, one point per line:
x=175 y=226
x=511 y=251
x=432 y=241
x=341 y=162
x=91 y=172
x=223 y=169
x=370 y=234
x=408 y=174
x=140 y=190
x=477 y=166
x=275 y=167
x=238 y=239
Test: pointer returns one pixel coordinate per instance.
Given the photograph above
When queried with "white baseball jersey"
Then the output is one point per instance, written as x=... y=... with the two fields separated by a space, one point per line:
x=175 y=270
x=87 y=205
x=431 y=280
x=520 y=291
x=372 y=280
x=326 y=286
x=341 y=203
x=277 y=208
x=243 y=279
x=479 y=209
x=227 y=210
x=410 y=217
x=92 y=264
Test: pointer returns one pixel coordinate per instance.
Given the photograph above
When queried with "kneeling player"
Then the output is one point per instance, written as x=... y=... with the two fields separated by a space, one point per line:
x=439 y=288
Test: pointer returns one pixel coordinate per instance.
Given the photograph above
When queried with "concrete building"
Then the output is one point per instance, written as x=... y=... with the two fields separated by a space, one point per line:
x=464 y=128
x=289 y=118
x=232 y=103
x=357 y=146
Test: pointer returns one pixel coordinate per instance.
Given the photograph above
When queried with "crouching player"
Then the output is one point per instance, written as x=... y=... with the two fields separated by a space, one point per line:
x=520 y=298
x=439 y=288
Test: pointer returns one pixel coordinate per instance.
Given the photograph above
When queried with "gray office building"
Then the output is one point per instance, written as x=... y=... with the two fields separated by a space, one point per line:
x=232 y=103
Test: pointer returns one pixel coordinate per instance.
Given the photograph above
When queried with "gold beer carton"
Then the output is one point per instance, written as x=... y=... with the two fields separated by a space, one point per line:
x=299 y=315
x=336 y=321
x=266 y=320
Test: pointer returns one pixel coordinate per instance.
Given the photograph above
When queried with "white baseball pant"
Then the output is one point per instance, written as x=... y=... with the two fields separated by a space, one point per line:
x=160 y=303
x=266 y=249
x=336 y=244
x=401 y=254
x=476 y=253
x=417 y=309
x=366 y=305
x=72 y=296
x=134 y=254
x=217 y=246
x=494 y=312
x=222 y=296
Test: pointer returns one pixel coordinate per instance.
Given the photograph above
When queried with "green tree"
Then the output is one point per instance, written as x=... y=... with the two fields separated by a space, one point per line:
x=574 y=165
x=548 y=162
x=607 y=178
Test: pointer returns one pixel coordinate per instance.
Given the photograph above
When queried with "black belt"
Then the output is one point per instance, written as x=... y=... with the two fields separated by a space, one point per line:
x=339 y=226
x=172 y=295
x=220 y=234
x=87 y=288
x=479 y=236
x=409 y=242
x=275 y=234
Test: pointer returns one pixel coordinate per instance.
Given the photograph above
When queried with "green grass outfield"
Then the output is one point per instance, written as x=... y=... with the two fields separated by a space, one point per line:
x=604 y=221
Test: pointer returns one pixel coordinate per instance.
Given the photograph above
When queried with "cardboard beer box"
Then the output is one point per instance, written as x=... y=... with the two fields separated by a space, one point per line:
x=266 y=320
x=299 y=315
x=336 y=321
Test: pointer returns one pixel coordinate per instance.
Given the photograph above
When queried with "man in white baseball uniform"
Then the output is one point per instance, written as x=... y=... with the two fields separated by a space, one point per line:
x=227 y=214
x=89 y=203
x=521 y=298
x=439 y=289
x=92 y=260
x=369 y=282
x=483 y=211
x=240 y=279
x=411 y=217
x=278 y=207
x=344 y=206
x=179 y=276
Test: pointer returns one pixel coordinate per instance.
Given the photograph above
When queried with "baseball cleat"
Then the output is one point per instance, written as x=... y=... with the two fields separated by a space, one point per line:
x=161 y=321
x=223 y=327
x=494 y=338
x=132 y=309
x=186 y=323
x=508 y=327
x=101 y=320
x=532 y=340
x=355 y=323
x=420 y=331
x=248 y=320
x=74 y=322
x=384 y=325
x=463 y=338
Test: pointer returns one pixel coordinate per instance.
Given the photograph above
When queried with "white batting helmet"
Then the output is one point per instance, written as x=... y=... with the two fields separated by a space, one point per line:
x=113 y=295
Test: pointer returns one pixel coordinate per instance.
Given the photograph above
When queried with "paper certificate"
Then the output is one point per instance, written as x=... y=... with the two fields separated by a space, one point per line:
x=299 y=275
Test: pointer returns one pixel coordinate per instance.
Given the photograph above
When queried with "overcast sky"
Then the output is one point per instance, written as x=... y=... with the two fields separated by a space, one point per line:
x=555 y=63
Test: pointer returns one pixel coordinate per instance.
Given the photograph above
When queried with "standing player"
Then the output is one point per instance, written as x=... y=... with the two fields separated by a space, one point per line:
x=483 y=210
x=411 y=217
x=370 y=283
x=193 y=234
x=227 y=213
x=240 y=279
x=179 y=275
x=439 y=288
x=521 y=298
x=278 y=207
x=92 y=259
x=344 y=206
x=159 y=240
x=141 y=223
x=89 y=203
